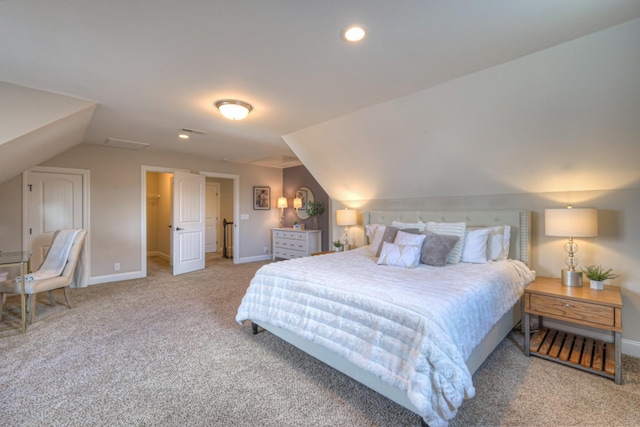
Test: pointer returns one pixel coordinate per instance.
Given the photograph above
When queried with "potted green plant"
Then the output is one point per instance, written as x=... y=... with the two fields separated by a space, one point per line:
x=337 y=245
x=597 y=275
x=313 y=210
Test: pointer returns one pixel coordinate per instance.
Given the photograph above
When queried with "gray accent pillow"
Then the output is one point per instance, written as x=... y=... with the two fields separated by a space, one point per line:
x=436 y=248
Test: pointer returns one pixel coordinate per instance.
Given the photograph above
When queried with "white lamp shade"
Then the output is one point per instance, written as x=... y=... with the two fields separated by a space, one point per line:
x=282 y=202
x=346 y=217
x=297 y=202
x=571 y=222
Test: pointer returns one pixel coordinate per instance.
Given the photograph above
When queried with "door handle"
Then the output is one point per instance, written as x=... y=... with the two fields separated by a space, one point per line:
x=179 y=229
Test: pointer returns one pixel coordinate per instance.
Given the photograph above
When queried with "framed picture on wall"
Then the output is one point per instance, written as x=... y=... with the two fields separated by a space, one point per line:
x=261 y=198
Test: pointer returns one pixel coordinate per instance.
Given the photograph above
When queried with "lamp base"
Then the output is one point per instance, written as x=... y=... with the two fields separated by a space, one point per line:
x=572 y=278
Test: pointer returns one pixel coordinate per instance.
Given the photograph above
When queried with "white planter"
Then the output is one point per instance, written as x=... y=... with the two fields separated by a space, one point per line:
x=597 y=284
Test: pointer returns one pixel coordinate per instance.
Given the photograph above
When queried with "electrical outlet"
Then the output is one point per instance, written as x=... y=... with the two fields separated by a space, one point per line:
x=116 y=266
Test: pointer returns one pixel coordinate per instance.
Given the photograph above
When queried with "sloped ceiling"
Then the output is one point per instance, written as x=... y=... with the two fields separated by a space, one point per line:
x=154 y=68
x=38 y=125
x=563 y=119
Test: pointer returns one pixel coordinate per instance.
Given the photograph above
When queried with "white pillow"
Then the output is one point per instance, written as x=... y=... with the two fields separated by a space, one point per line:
x=450 y=229
x=498 y=242
x=404 y=238
x=370 y=230
x=407 y=256
x=376 y=239
x=421 y=226
x=475 y=246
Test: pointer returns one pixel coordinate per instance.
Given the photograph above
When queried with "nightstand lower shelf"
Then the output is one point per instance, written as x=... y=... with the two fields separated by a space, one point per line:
x=588 y=354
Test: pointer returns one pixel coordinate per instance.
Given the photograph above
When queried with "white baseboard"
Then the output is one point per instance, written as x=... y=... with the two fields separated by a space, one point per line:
x=265 y=257
x=107 y=278
x=630 y=347
x=158 y=253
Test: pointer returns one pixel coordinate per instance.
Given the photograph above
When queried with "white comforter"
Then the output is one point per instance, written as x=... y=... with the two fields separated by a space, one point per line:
x=414 y=328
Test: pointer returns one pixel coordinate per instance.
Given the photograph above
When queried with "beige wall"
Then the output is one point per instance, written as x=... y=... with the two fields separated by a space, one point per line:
x=11 y=215
x=617 y=244
x=115 y=203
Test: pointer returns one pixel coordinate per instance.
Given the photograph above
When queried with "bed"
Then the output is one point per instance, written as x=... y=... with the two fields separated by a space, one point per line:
x=418 y=344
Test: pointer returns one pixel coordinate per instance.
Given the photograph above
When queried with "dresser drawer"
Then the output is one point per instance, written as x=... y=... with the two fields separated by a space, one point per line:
x=561 y=308
x=281 y=243
x=287 y=253
x=297 y=235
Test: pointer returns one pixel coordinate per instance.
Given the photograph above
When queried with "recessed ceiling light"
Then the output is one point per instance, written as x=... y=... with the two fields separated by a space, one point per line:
x=233 y=109
x=355 y=33
x=183 y=136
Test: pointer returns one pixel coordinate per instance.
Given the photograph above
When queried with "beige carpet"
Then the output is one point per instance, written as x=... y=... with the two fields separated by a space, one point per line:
x=166 y=351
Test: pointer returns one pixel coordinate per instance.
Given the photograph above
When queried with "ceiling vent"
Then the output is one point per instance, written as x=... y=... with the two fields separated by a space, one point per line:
x=200 y=132
x=127 y=145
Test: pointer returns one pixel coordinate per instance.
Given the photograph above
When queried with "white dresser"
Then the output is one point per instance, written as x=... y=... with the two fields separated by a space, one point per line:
x=288 y=243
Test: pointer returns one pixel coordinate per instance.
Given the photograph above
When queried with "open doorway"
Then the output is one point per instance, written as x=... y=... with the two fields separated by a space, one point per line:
x=157 y=212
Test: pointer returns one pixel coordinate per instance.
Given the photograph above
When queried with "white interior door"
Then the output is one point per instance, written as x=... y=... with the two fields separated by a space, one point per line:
x=212 y=216
x=55 y=202
x=188 y=222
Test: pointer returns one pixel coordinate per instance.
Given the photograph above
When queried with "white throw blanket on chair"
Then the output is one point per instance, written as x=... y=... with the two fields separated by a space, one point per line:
x=56 y=258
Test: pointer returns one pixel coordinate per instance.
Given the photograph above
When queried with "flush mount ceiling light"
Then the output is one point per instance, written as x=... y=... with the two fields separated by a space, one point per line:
x=353 y=34
x=233 y=109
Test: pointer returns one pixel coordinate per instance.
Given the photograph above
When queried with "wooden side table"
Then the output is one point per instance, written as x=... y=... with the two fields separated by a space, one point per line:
x=602 y=309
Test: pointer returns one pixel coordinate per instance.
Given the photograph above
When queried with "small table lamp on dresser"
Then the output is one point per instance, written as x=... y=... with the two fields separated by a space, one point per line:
x=571 y=223
x=282 y=204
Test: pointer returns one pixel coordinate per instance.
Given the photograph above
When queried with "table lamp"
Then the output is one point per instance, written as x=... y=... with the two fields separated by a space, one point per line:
x=571 y=223
x=282 y=203
x=346 y=217
x=297 y=203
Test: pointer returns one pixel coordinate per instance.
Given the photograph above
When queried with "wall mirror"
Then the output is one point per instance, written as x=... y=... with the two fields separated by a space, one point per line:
x=306 y=196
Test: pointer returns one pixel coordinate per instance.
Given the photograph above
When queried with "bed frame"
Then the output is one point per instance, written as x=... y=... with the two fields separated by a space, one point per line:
x=520 y=247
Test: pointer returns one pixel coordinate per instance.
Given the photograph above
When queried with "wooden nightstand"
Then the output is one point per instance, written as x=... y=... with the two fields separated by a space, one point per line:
x=546 y=297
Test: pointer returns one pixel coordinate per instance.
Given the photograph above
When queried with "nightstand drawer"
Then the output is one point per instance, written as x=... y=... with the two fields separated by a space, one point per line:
x=569 y=309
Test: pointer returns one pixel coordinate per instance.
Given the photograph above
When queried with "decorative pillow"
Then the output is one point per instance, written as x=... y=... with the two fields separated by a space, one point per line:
x=419 y=225
x=375 y=240
x=388 y=236
x=370 y=230
x=405 y=238
x=475 y=246
x=450 y=229
x=436 y=248
x=498 y=242
x=407 y=256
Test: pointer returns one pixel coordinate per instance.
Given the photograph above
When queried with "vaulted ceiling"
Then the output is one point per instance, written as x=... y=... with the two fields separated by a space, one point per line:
x=84 y=71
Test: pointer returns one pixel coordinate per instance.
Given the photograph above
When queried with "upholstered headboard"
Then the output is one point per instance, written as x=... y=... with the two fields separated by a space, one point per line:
x=520 y=242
